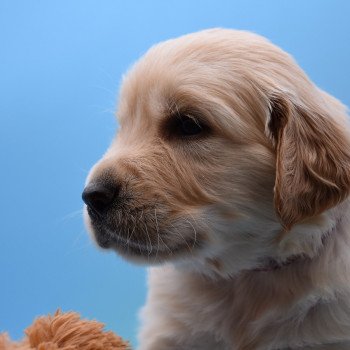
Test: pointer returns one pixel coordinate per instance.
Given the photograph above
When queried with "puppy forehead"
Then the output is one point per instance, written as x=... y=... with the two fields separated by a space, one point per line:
x=203 y=69
x=158 y=83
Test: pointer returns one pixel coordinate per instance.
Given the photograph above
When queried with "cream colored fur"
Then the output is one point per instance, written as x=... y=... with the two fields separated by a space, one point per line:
x=270 y=182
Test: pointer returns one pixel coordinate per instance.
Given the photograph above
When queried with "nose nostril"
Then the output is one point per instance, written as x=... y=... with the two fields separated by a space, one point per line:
x=99 y=196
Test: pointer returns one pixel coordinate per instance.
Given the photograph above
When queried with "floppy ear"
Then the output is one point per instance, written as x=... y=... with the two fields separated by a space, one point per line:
x=312 y=160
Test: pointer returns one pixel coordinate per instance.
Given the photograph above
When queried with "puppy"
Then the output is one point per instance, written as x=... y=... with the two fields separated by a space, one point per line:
x=230 y=175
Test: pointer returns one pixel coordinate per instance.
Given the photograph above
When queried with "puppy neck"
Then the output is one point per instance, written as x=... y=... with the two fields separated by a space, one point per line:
x=260 y=252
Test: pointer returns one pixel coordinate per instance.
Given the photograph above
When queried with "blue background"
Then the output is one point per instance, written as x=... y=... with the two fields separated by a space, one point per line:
x=60 y=68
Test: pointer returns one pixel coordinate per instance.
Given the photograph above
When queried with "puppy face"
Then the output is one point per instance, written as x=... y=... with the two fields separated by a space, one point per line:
x=192 y=170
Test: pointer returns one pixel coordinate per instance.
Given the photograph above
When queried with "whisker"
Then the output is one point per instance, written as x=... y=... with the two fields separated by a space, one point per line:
x=75 y=247
x=166 y=246
x=183 y=238
x=195 y=234
x=128 y=235
x=149 y=250
x=140 y=249
x=195 y=221
x=149 y=239
x=71 y=215
x=133 y=230
x=157 y=231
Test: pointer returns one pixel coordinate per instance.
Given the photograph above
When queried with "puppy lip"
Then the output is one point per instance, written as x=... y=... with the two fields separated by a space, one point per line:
x=94 y=215
x=153 y=251
x=107 y=239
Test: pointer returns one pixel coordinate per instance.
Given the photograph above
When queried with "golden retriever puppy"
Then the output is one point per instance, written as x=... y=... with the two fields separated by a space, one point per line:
x=230 y=175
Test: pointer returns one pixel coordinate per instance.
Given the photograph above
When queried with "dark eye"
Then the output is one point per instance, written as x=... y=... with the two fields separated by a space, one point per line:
x=184 y=126
x=189 y=126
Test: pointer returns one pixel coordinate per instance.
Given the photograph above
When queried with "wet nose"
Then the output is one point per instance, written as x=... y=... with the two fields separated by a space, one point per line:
x=99 y=196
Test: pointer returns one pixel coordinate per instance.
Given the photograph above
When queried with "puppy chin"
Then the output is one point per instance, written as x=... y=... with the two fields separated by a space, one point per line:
x=88 y=225
x=138 y=253
x=141 y=253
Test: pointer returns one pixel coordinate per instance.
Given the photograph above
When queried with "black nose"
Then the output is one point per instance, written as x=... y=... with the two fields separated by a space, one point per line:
x=99 y=196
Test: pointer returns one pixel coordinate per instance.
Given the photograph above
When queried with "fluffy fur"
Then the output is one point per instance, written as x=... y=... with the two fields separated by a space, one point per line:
x=65 y=331
x=247 y=222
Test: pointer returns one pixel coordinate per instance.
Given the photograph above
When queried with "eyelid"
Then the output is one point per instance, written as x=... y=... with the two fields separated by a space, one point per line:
x=193 y=118
x=169 y=126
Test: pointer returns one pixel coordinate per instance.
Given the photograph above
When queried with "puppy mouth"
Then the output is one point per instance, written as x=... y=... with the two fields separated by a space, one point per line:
x=129 y=247
x=143 y=238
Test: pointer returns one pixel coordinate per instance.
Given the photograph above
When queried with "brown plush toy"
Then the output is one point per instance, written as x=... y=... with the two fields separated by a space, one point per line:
x=65 y=331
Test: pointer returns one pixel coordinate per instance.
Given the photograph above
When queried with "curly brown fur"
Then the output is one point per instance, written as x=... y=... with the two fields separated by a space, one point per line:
x=65 y=331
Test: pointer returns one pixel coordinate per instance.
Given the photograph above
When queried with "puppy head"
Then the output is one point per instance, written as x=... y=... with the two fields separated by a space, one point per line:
x=222 y=142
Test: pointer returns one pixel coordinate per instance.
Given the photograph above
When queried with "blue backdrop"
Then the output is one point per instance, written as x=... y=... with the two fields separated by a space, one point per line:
x=60 y=68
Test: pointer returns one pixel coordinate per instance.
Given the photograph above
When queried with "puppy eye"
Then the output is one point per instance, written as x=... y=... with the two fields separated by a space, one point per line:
x=189 y=126
x=184 y=127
